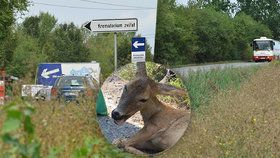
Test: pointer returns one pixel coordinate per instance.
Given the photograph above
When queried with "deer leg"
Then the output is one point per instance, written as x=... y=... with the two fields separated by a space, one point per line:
x=141 y=140
x=133 y=150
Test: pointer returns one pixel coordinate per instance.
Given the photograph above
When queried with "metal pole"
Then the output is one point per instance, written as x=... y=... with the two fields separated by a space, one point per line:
x=116 y=53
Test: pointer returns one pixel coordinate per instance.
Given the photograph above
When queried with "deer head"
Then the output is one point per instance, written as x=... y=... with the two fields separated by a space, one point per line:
x=140 y=93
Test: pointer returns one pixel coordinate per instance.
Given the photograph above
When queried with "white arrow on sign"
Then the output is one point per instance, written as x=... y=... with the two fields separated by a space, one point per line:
x=46 y=74
x=136 y=44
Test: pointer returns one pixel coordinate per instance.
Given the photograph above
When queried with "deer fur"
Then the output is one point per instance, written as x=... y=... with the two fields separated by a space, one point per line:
x=163 y=125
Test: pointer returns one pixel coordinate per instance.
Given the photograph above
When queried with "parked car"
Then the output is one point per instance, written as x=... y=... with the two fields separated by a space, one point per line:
x=70 y=88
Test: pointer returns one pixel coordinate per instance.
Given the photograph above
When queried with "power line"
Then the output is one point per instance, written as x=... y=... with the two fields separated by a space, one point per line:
x=119 y=5
x=89 y=8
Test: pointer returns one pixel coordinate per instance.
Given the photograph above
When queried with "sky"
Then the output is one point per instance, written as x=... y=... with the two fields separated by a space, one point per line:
x=132 y=9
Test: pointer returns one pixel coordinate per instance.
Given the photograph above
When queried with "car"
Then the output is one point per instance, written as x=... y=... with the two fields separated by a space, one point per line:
x=70 y=88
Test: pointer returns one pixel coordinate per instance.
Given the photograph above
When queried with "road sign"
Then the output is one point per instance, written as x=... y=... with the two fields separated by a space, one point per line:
x=48 y=73
x=113 y=25
x=138 y=57
x=138 y=44
x=138 y=53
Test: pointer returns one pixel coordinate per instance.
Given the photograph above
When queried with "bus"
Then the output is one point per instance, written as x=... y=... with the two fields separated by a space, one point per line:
x=265 y=49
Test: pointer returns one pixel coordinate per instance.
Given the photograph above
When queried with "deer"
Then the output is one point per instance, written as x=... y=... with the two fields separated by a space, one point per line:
x=163 y=124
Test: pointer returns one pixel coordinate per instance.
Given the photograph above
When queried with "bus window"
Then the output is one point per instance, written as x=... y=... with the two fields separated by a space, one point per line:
x=262 y=45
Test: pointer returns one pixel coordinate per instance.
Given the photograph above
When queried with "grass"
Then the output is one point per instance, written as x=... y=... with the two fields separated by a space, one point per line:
x=67 y=130
x=154 y=71
x=203 y=86
x=208 y=63
x=237 y=116
x=241 y=122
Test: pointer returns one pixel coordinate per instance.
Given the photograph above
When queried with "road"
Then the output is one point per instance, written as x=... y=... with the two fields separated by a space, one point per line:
x=184 y=71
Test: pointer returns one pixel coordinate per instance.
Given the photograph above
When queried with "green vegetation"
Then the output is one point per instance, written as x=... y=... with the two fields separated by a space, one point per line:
x=40 y=39
x=238 y=122
x=157 y=73
x=154 y=71
x=204 y=31
x=41 y=129
x=23 y=144
x=203 y=86
x=7 y=19
x=101 y=49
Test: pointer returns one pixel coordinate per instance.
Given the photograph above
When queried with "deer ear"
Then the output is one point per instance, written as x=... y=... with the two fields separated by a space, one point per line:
x=141 y=69
x=166 y=89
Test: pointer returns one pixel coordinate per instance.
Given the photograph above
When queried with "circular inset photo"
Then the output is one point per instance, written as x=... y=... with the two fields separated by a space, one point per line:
x=148 y=108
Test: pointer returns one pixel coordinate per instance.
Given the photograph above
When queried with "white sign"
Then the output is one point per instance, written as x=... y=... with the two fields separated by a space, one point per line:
x=30 y=90
x=113 y=25
x=138 y=56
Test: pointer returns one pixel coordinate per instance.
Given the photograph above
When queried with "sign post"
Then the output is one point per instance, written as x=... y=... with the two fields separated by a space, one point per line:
x=138 y=53
x=116 y=51
x=113 y=25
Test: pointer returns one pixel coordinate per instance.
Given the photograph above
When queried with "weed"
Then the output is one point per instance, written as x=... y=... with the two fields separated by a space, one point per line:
x=202 y=86
x=238 y=122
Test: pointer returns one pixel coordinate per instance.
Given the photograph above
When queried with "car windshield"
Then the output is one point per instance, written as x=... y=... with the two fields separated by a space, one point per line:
x=71 y=81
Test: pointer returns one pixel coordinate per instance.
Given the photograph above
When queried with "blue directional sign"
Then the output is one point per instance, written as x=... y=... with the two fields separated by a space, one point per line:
x=48 y=73
x=138 y=44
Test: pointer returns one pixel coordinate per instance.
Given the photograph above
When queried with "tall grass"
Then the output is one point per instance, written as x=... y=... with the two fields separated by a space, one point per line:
x=62 y=130
x=243 y=122
x=203 y=86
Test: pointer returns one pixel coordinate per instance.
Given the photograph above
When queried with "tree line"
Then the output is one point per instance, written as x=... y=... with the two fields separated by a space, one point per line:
x=202 y=31
x=212 y=30
x=41 y=39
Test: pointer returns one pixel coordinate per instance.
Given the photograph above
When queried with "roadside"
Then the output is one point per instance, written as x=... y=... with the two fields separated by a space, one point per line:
x=239 y=122
x=185 y=71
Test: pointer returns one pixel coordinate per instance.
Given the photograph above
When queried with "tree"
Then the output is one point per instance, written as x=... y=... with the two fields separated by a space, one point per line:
x=219 y=5
x=68 y=44
x=25 y=56
x=8 y=9
x=165 y=49
x=101 y=48
x=264 y=11
x=40 y=27
x=248 y=29
x=202 y=33
x=31 y=26
x=47 y=24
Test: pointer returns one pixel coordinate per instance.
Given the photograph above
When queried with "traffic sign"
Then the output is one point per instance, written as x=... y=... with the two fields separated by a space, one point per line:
x=138 y=53
x=48 y=73
x=113 y=25
x=138 y=44
x=138 y=57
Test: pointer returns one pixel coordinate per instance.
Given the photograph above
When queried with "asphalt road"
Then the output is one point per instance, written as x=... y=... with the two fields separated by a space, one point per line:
x=184 y=71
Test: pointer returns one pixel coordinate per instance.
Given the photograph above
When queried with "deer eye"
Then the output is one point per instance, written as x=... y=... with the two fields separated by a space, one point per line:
x=143 y=100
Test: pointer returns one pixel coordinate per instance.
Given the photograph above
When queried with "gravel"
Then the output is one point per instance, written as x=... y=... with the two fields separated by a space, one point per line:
x=111 y=131
x=112 y=90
